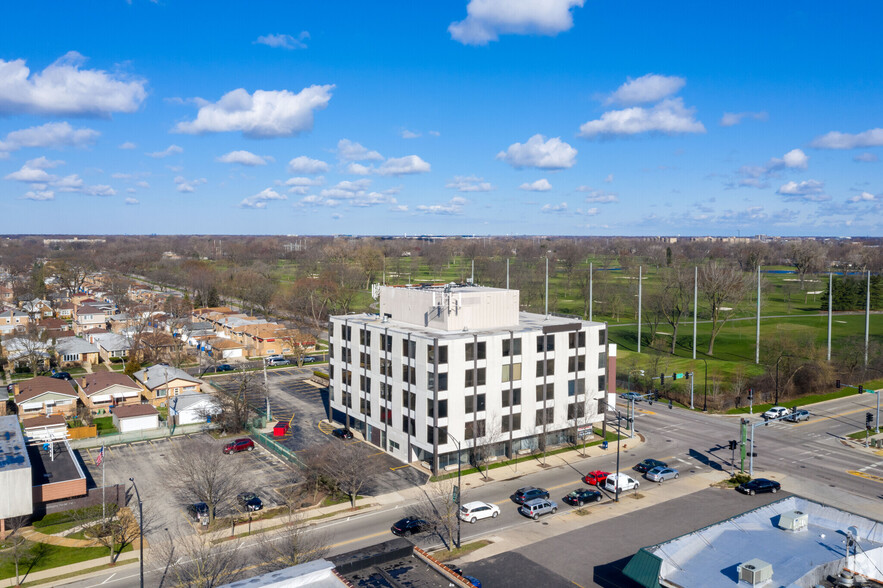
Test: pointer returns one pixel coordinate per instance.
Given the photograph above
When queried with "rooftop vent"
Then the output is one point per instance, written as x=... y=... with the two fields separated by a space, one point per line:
x=794 y=520
x=755 y=572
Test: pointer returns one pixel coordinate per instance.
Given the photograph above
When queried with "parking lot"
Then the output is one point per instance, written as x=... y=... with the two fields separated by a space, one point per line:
x=148 y=463
x=304 y=407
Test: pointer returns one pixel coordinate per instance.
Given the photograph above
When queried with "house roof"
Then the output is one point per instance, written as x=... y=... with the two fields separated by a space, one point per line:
x=155 y=376
x=74 y=345
x=53 y=420
x=42 y=385
x=14 y=313
x=221 y=343
x=97 y=382
x=52 y=323
x=133 y=410
x=186 y=401
x=66 y=306
x=111 y=341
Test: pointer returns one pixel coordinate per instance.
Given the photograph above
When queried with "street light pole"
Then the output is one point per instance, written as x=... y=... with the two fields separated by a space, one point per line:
x=618 y=441
x=459 y=488
x=140 y=530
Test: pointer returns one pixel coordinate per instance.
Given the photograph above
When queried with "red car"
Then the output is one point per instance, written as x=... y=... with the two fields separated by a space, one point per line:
x=596 y=478
x=245 y=444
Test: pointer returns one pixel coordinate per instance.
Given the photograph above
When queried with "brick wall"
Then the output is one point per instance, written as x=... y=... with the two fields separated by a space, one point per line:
x=113 y=494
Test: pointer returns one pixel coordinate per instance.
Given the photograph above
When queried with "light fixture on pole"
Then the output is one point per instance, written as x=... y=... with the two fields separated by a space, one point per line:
x=140 y=529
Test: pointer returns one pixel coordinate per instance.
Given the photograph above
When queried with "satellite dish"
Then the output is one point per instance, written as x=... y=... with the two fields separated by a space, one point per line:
x=853 y=532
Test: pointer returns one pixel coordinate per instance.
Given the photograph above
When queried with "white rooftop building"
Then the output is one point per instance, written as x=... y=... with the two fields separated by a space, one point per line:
x=447 y=365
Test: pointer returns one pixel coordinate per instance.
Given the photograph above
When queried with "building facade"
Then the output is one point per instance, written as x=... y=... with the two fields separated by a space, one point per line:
x=448 y=365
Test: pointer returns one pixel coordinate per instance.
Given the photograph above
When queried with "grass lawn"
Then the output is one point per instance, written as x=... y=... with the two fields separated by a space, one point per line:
x=449 y=554
x=45 y=556
x=105 y=425
x=801 y=402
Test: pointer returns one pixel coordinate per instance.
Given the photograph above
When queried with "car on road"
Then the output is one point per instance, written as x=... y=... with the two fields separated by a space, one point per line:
x=61 y=376
x=759 y=486
x=410 y=526
x=224 y=367
x=631 y=396
x=581 y=496
x=774 y=413
x=529 y=493
x=595 y=478
x=661 y=474
x=249 y=501
x=238 y=445
x=648 y=464
x=274 y=362
x=473 y=511
x=797 y=416
x=625 y=482
x=310 y=359
x=342 y=433
x=537 y=507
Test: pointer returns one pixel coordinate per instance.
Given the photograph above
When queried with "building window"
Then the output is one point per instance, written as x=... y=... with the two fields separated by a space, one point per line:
x=475 y=378
x=575 y=340
x=602 y=360
x=549 y=392
x=475 y=403
x=576 y=363
x=471 y=354
x=442 y=434
x=442 y=408
x=393 y=445
x=386 y=367
x=74 y=357
x=576 y=387
x=474 y=429
x=365 y=360
x=386 y=416
x=365 y=383
x=161 y=392
x=409 y=348
x=576 y=410
x=546 y=417
x=409 y=426
x=602 y=337
x=602 y=383
x=365 y=338
x=442 y=354
x=511 y=423
x=385 y=391
x=511 y=347
x=365 y=406
x=516 y=372
x=386 y=345
x=550 y=367
x=409 y=400
x=546 y=343
x=347 y=332
x=515 y=397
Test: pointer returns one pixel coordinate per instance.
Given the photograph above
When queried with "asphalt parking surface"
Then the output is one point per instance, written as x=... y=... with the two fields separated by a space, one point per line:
x=147 y=462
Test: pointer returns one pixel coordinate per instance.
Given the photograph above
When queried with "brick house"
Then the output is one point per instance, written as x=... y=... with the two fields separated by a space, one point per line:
x=159 y=382
x=73 y=351
x=100 y=391
x=42 y=396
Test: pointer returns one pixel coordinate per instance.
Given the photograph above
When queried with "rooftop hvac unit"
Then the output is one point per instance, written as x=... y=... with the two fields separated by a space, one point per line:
x=794 y=520
x=755 y=572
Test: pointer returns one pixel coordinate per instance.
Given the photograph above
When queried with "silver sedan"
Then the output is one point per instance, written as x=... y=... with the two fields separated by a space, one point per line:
x=660 y=474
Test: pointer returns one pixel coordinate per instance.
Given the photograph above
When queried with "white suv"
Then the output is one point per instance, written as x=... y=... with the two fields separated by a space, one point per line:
x=473 y=511
x=775 y=412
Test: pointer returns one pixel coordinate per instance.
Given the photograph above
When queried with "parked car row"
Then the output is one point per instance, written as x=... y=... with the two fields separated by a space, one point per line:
x=793 y=414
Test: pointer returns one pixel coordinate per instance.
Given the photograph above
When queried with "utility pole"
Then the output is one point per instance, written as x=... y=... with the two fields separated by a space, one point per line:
x=744 y=423
x=695 y=306
x=591 y=297
x=868 y=327
x=547 y=285
x=640 y=273
x=830 y=309
x=757 y=338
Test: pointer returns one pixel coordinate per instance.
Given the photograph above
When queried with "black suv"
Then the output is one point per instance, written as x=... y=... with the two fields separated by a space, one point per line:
x=522 y=495
x=249 y=501
x=409 y=526
x=61 y=376
x=581 y=496
x=648 y=464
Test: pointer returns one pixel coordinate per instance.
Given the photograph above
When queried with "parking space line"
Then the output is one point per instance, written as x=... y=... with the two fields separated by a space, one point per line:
x=378 y=453
x=407 y=465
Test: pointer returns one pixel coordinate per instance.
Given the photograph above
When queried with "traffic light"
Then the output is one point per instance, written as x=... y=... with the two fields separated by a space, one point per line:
x=687 y=375
x=868 y=419
x=861 y=389
x=674 y=376
x=751 y=394
x=733 y=444
x=837 y=384
x=662 y=379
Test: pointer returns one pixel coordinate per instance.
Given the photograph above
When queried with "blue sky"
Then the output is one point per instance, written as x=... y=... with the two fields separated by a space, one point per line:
x=563 y=117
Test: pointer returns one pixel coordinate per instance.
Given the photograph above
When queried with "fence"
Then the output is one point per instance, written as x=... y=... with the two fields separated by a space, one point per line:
x=142 y=435
x=83 y=432
x=267 y=442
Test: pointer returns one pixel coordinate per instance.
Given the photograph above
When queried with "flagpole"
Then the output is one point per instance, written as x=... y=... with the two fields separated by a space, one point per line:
x=103 y=516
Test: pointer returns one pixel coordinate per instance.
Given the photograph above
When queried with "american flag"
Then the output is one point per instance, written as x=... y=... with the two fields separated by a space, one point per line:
x=100 y=456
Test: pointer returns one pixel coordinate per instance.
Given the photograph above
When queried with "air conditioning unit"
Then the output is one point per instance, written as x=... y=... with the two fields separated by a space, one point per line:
x=794 y=520
x=755 y=572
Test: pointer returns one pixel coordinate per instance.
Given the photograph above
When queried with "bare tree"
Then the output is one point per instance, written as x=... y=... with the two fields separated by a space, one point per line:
x=291 y=544
x=71 y=275
x=351 y=468
x=437 y=507
x=724 y=287
x=807 y=256
x=234 y=404
x=200 y=472
x=118 y=527
x=674 y=300
x=17 y=547
x=483 y=450
x=191 y=560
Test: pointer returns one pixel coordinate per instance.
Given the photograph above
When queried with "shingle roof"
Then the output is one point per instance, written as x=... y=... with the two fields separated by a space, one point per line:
x=97 y=382
x=185 y=401
x=155 y=375
x=41 y=385
x=133 y=410
x=74 y=345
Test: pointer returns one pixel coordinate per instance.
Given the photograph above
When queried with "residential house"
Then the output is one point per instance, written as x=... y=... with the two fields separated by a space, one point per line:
x=65 y=310
x=161 y=382
x=155 y=345
x=41 y=428
x=100 y=391
x=24 y=352
x=110 y=345
x=272 y=339
x=192 y=408
x=87 y=317
x=6 y=295
x=13 y=320
x=73 y=351
x=38 y=308
x=53 y=325
x=44 y=396
x=221 y=348
x=135 y=417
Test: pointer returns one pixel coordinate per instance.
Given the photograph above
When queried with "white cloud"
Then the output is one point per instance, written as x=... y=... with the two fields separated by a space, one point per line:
x=39 y=195
x=131 y=191
x=452 y=207
x=73 y=183
x=260 y=199
x=170 y=150
x=283 y=41
x=539 y=153
x=863 y=197
x=487 y=19
x=669 y=116
x=358 y=169
x=142 y=184
x=812 y=190
x=609 y=178
x=406 y=134
x=62 y=88
x=353 y=193
x=30 y=175
x=865 y=157
x=435 y=133
x=351 y=151
x=647 y=88
x=730 y=119
x=346 y=189
x=52 y=135
x=100 y=190
x=795 y=158
x=588 y=212
x=43 y=163
x=542 y=185
x=301 y=185
x=306 y=165
x=132 y=201
x=598 y=196
x=186 y=186
x=398 y=166
x=243 y=158
x=555 y=207
x=127 y=145
x=837 y=140
x=470 y=184
x=755 y=176
x=266 y=113
x=399 y=208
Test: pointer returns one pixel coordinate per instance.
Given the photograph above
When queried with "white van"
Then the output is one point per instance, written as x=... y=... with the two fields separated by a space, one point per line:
x=626 y=482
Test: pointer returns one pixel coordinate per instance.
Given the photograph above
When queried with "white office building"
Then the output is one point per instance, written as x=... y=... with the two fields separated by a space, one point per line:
x=447 y=365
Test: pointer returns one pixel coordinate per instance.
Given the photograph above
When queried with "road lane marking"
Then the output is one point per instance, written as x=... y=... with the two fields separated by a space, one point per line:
x=407 y=465
x=348 y=541
x=833 y=416
x=865 y=475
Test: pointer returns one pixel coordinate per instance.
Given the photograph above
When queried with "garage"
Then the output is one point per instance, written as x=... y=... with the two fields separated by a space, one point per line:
x=136 y=417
